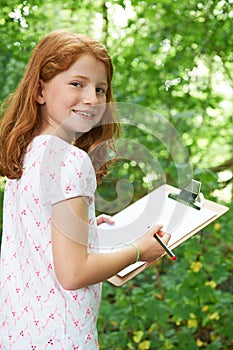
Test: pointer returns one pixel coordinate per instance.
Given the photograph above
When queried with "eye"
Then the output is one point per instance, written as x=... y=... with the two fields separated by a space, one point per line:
x=76 y=84
x=101 y=91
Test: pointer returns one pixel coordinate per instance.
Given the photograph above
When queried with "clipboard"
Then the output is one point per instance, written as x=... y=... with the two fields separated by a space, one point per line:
x=181 y=218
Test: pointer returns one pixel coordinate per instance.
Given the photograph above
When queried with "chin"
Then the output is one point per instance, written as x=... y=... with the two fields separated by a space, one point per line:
x=83 y=130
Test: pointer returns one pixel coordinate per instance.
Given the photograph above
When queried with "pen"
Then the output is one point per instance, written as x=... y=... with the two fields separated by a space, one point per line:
x=167 y=250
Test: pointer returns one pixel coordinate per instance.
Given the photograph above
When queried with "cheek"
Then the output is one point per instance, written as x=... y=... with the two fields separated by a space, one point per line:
x=102 y=109
x=102 y=117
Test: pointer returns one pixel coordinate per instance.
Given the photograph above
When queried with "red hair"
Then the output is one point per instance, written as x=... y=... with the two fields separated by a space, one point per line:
x=22 y=120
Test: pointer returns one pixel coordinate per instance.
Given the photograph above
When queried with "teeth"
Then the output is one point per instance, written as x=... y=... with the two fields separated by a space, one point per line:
x=84 y=113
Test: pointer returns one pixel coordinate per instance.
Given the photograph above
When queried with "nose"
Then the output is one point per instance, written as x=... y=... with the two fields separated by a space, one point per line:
x=90 y=96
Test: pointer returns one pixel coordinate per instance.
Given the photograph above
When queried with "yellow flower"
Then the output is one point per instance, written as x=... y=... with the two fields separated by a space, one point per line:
x=192 y=323
x=196 y=266
x=199 y=343
x=212 y=284
x=217 y=226
x=205 y=308
x=137 y=336
x=214 y=316
x=145 y=345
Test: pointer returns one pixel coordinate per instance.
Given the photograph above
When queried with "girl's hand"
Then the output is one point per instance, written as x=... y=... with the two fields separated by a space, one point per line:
x=104 y=218
x=149 y=247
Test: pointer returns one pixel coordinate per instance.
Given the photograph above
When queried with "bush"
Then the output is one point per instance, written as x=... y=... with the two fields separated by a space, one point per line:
x=182 y=305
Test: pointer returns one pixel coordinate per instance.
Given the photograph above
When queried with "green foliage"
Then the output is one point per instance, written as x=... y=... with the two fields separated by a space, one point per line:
x=175 y=305
x=175 y=58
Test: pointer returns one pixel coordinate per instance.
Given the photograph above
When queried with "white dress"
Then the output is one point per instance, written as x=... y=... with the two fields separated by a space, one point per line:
x=36 y=313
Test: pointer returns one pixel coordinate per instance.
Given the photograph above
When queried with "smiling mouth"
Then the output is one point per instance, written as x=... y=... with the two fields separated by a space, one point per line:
x=85 y=114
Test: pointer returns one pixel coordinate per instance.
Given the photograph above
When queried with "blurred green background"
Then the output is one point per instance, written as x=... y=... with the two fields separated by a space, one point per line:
x=174 y=58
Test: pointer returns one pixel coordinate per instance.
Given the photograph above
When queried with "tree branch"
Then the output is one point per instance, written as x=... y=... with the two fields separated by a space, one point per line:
x=226 y=165
x=105 y=24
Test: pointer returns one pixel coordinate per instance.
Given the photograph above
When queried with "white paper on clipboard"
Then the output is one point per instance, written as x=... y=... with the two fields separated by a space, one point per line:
x=132 y=222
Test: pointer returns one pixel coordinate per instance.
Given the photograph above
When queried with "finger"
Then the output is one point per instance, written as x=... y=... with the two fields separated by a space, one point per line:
x=161 y=233
x=104 y=218
x=166 y=237
x=156 y=228
x=109 y=220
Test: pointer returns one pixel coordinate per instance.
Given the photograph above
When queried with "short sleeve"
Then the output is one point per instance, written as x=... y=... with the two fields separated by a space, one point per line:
x=66 y=172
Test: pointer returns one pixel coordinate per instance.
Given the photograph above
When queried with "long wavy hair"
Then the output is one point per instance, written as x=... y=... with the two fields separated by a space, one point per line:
x=22 y=119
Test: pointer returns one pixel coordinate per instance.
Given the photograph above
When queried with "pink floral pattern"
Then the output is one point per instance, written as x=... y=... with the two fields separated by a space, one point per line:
x=35 y=311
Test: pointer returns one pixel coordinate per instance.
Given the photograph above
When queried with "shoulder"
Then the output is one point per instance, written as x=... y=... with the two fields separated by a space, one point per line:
x=54 y=149
x=66 y=171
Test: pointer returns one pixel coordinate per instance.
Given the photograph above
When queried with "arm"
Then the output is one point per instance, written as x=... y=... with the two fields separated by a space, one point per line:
x=74 y=266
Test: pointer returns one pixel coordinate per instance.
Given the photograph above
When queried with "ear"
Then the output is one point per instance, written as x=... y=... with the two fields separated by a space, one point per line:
x=40 y=96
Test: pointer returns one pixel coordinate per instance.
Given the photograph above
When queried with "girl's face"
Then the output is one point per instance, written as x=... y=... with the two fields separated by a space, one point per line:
x=74 y=100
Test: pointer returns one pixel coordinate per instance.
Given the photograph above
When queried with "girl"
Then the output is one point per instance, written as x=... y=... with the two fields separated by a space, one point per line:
x=51 y=270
